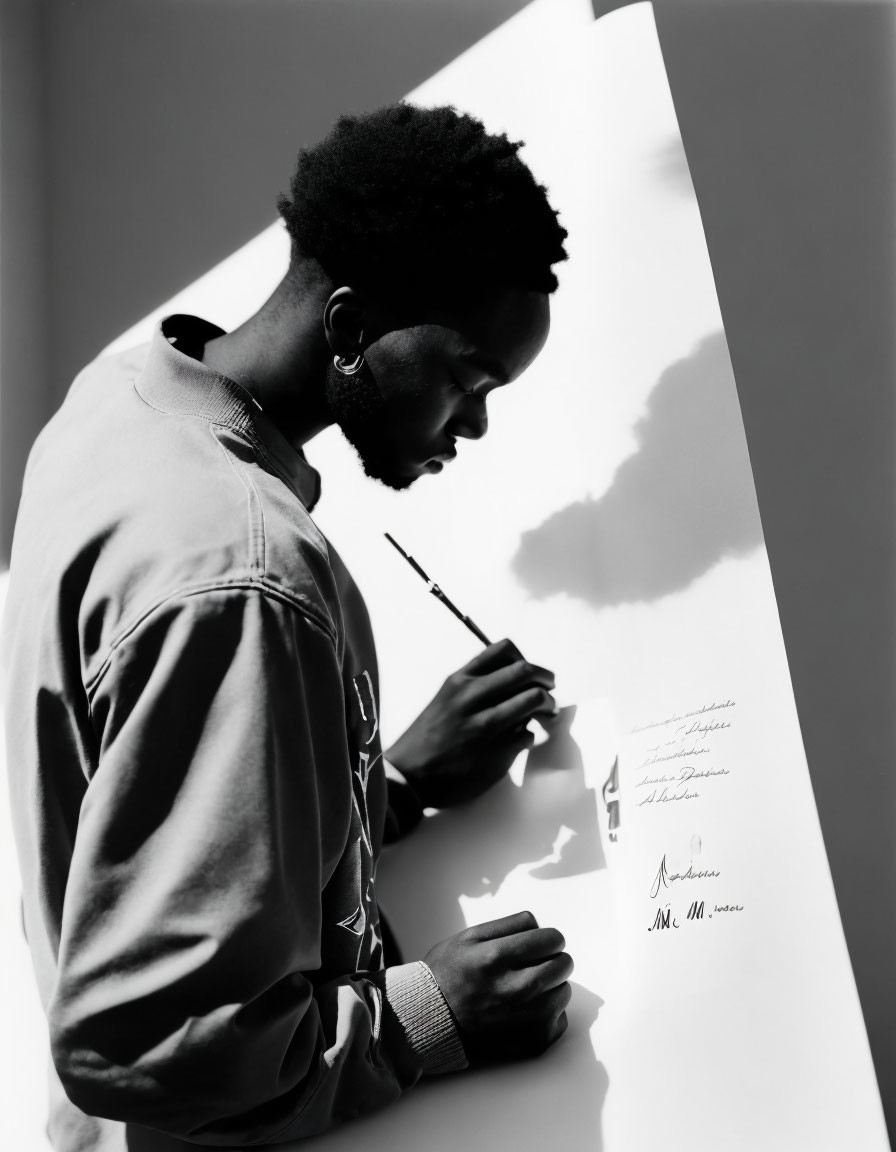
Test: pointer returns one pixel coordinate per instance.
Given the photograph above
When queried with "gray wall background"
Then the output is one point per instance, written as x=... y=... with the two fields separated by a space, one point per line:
x=143 y=140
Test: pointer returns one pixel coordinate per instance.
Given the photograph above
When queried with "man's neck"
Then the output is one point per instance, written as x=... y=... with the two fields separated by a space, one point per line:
x=279 y=356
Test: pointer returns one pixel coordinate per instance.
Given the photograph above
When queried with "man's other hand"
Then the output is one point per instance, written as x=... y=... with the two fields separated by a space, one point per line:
x=507 y=985
x=468 y=736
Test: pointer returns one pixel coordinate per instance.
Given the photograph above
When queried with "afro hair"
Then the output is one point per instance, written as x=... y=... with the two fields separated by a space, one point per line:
x=423 y=207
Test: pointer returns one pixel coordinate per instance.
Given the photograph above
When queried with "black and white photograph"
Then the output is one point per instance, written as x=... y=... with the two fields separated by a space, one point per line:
x=448 y=575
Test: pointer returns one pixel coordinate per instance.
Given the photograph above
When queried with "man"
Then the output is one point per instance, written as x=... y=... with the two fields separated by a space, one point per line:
x=192 y=705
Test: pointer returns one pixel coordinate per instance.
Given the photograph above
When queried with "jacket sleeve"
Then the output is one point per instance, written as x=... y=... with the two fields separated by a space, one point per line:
x=405 y=810
x=192 y=925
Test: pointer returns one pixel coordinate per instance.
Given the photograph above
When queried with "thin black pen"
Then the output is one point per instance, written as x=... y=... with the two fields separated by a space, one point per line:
x=439 y=594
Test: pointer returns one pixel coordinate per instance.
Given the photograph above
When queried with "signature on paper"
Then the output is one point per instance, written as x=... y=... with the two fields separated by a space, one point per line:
x=664 y=878
x=697 y=910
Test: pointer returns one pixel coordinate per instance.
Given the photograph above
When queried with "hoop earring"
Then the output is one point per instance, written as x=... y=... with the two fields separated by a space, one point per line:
x=349 y=367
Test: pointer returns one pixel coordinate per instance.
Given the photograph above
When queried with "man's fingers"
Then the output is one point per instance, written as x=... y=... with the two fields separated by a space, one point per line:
x=555 y=1001
x=519 y=709
x=509 y=680
x=547 y=1006
x=521 y=740
x=505 y=926
x=537 y=944
x=512 y=742
x=502 y=690
x=538 y=979
x=496 y=655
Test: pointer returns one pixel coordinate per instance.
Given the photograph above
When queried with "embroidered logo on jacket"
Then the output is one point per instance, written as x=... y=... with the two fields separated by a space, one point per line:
x=367 y=702
x=363 y=921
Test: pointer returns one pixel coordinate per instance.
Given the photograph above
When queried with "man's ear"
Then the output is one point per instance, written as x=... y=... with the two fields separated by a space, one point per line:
x=345 y=319
x=352 y=322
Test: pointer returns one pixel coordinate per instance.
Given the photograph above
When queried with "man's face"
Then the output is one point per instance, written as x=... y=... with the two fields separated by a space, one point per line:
x=431 y=384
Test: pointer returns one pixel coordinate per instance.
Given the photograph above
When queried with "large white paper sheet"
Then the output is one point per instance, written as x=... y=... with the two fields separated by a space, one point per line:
x=741 y=1018
x=609 y=524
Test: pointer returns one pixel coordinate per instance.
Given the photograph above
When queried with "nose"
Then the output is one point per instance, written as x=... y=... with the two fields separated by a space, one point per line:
x=471 y=421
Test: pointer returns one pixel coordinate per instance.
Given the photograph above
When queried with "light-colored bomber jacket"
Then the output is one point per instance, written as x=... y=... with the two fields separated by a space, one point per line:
x=197 y=782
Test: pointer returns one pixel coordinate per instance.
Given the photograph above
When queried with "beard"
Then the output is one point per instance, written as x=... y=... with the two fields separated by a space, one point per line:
x=361 y=411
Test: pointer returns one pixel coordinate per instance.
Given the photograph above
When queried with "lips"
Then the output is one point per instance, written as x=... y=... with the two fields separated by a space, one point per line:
x=435 y=463
x=442 y=457
x=438 y=460
x=450 y=454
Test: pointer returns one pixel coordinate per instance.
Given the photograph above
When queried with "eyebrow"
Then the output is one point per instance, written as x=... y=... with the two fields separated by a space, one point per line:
x=493 y=367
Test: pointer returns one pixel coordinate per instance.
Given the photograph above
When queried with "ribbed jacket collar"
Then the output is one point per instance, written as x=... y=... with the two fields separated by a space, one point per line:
x=174 y=382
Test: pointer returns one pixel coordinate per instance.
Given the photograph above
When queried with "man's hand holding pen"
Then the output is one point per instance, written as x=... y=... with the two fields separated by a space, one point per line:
x=505 y=981
x=469 y=735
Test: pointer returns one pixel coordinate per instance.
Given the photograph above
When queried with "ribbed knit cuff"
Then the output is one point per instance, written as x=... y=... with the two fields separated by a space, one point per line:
x=414 y=996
